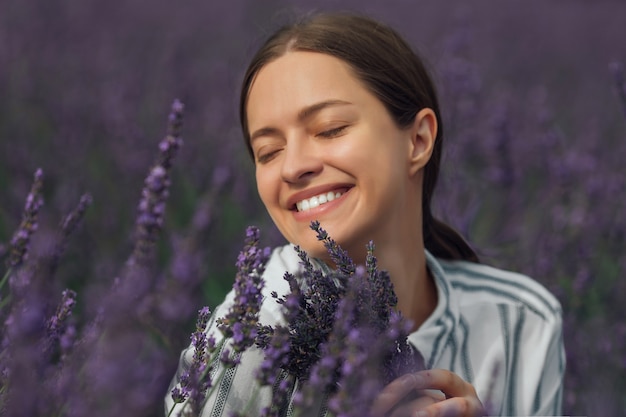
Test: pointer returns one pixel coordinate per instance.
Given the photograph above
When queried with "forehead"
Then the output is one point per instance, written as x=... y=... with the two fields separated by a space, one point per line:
x=297 y=80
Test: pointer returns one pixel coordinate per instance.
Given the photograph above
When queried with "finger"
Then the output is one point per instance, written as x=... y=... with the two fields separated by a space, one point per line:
x=409 y=408
x=394 y=392
x=448 y=382
x=453 y=407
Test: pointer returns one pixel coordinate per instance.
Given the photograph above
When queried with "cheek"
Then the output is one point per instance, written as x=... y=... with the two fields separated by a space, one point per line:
x=266 y=187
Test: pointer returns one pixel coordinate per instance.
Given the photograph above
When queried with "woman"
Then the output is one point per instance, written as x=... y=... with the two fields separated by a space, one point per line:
x=343 y=124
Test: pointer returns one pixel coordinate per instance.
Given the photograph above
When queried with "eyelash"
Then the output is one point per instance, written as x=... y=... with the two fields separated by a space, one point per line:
x=266 y=157
x=331 y=133
x=327 y=134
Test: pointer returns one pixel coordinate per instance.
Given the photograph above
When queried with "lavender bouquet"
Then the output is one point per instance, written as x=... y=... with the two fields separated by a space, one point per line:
x=340 y=342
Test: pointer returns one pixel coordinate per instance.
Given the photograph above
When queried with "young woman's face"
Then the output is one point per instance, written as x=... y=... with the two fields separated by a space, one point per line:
x=326 y=149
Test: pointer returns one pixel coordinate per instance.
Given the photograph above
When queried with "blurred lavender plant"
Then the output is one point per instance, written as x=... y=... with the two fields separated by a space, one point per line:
x=151 y=207
x=115 y=364
x=106 y=355
x=21 y=239
x=32 y=346
x=68 y=226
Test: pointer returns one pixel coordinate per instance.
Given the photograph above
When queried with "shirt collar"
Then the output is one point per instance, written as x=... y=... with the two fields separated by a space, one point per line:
x=431 y=337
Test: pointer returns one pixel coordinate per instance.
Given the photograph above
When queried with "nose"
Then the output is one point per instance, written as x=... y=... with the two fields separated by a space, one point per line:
x=301 y=161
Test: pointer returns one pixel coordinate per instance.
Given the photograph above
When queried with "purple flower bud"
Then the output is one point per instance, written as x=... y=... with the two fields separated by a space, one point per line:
x=179 y=395
x=241 y=321
x=151 y=208
x=20 y=242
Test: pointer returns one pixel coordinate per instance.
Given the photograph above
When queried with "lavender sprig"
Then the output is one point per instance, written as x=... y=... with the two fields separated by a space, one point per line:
x=276 y=342
x=241 y=321
x=151 y=207
x=338 y=255
x=326 y=370
x=309 y=312
x=195 y=382
x=57 y=322
x=69 y=224
x=21 y=239
x=359 y=382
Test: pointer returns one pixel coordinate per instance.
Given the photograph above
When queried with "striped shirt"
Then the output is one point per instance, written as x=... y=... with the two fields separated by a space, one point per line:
x=498 y=330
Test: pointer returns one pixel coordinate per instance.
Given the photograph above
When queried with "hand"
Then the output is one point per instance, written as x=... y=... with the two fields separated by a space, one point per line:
x=430 y=393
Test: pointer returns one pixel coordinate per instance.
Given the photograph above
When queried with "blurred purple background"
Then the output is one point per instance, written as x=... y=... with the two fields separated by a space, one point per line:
x=533 y=170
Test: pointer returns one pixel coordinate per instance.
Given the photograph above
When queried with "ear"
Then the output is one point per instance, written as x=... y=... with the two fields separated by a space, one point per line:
x=423 y=134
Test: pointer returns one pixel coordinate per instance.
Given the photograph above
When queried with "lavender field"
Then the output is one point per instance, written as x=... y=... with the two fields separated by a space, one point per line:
x=534 y=100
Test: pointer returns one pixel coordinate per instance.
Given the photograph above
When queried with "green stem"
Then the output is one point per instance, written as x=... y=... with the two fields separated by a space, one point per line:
x=5 y=278
x=5 y=302
x=172 y=409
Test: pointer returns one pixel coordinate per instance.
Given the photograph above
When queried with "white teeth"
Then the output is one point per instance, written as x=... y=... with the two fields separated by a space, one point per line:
x=313 y=202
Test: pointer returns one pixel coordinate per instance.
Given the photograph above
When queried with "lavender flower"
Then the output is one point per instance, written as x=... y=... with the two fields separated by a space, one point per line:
x=375 y=349
x=342 y=338
x=309 y=314
x=240 y=323
x=151 y=207
x=195 y=382
x=337 y=254
x=359 y=382
x=56 y=323
x=276 y=343
x=326 y=371
x=68 y=225
x=21 y=239
x=357 y=359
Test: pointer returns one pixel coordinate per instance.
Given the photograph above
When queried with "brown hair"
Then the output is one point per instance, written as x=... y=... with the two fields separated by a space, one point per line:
x=392 y=71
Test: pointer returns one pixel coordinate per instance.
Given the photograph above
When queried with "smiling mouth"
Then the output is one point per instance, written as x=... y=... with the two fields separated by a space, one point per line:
x=318 y=200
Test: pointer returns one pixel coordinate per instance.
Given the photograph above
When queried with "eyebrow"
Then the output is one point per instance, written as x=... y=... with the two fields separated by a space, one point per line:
x=303 y=114
x=317 y=107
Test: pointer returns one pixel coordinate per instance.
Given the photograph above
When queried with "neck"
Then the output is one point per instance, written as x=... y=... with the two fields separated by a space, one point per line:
x=413 y=284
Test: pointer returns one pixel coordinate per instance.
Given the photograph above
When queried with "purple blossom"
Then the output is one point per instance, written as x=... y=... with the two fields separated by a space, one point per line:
x=69 y=224
x=337 y=254
x=151 y=208
x=57 y=322
x=196 y=380
x=369 y=353
x=277 y=347
x=342 y=337
x=240 y=323
x=21 y=239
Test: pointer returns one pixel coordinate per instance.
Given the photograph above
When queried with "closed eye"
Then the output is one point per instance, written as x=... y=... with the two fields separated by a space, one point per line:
x=266 y=156
x=331 y=133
